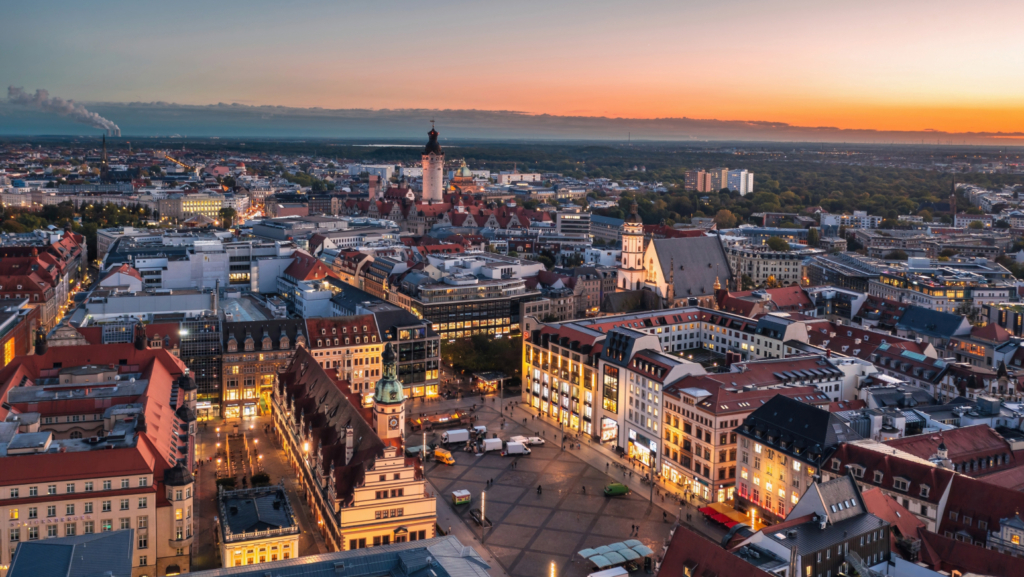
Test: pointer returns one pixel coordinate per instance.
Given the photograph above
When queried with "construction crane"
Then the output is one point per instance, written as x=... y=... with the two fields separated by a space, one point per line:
x=187 y=167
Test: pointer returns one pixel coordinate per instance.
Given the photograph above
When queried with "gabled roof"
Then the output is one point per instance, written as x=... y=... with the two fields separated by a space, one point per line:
x=698 y=261
x=891 y=466
x=691 y=553
x=942 y=553
x=991 y=332
x=307 y=267
x=902 y=523
x=933 y=323
x=963 y=443
x=973 y=500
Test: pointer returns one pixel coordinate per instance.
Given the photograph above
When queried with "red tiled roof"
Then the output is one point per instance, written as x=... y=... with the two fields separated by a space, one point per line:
x=991 y=332
x=342 y=327
x=942 y=553
x=892 y=466
x=963 y=443
x=854 y=405
x=690 y=549
x=125 y=269
x=903 y=522
x=974 y=500
x=307 y=267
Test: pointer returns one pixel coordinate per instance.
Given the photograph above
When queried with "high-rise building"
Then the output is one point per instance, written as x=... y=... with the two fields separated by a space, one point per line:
x=433 y=169
x=718 y=178
x=740 y=181
x=697 y=180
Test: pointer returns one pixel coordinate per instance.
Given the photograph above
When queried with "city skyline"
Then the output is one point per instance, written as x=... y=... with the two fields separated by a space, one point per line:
x=911 y=67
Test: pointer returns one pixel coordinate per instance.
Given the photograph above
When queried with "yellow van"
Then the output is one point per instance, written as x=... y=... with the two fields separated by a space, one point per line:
x=444 y=456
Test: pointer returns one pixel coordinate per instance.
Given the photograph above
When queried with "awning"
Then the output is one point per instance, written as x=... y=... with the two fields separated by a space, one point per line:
x=707 y=510
x=629 y=554
x=587 y=553
x=615 y=558
x=402 y=530
x=618 y=546
x=601 y=561
x=731 y=524
x=632 y=543
x=643 y=550
x=603 y=549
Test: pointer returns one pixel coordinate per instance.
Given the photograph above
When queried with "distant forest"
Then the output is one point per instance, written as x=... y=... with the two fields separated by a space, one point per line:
x=788 y=177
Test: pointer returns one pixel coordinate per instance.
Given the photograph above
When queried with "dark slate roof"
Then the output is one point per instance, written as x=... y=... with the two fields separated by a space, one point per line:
x=93 y=555
x=273 y=328
x=394 y=319
x=929 y=322
x=256 y=510
x=438 y=557
x=797 y=429
x=178 y=476
x=432 y=144
x=631 y=301
x=698 y=261
x=606 y=220
x=350 y=297
x=810 y=537
x=326 y=411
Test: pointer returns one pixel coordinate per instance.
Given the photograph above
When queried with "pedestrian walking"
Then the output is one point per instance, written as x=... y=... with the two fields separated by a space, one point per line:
x=584 y=489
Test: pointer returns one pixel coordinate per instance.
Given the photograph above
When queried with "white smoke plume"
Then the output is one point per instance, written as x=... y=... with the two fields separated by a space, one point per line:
x=42 y=100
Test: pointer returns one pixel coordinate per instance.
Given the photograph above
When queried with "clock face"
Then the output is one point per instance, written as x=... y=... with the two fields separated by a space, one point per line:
x=393 y=423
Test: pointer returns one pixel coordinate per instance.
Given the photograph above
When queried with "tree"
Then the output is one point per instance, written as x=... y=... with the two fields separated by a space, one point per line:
x=812 y=237
x=976 y=225
x=725 y=219
x=227 y=216
x=777 y=244
x=948 y=252
x=896 y=255
x=747 y=282
x=771 y=282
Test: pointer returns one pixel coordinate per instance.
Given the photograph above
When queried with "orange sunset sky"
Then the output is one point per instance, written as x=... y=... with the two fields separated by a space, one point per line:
x=894 y=65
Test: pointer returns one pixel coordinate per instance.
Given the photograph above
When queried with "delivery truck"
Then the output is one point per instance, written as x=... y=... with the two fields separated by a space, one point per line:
x=512 y=449
x=491 y=445
x=455 y=436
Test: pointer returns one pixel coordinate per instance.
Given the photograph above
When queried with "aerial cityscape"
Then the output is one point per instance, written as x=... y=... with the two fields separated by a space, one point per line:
x=534 y=290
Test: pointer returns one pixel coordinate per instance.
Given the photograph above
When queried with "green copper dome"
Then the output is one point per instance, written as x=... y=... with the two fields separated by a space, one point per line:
x=389 y=389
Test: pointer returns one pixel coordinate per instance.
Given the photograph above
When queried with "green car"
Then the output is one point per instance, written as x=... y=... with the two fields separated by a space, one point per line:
x=616 y=490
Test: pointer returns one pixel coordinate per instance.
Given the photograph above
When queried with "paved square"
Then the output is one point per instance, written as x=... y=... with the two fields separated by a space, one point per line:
x=531 y=531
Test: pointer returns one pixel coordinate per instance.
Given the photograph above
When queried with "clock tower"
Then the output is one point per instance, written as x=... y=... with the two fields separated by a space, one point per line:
x=389 y=399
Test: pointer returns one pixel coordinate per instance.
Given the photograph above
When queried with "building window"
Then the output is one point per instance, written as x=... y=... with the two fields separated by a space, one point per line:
x=69 y=529
x=124 y=484
x=126 y=523
x=51 y=489
x=14 y=493
x=69 y=509
x=88 y=527
x=88 y=486
x=124 y=504
x=143 y=542
x=70 y=488
x=143 y=502
x=15 y=535
x=106 y=485
x=51 y=530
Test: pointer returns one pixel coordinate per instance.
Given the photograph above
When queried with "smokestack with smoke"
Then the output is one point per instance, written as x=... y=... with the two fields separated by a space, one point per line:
x=41 y=100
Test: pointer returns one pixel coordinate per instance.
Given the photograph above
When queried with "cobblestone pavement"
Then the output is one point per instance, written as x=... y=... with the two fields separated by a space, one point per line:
x=531 y=530
x=206 y=548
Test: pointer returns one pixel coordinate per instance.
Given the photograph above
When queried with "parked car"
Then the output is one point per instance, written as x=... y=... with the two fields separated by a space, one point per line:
x=616 y=490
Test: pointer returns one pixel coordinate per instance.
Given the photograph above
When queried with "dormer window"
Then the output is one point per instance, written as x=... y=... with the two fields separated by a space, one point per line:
x=334 y=330
x=835 y=464
x=878 y=476
x=900 y=484
x=323 y=331
x=924 y=491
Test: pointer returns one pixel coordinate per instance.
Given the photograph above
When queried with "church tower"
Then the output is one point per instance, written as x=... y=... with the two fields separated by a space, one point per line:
x=389 y=399
x=433 y=169
x=631 y=266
